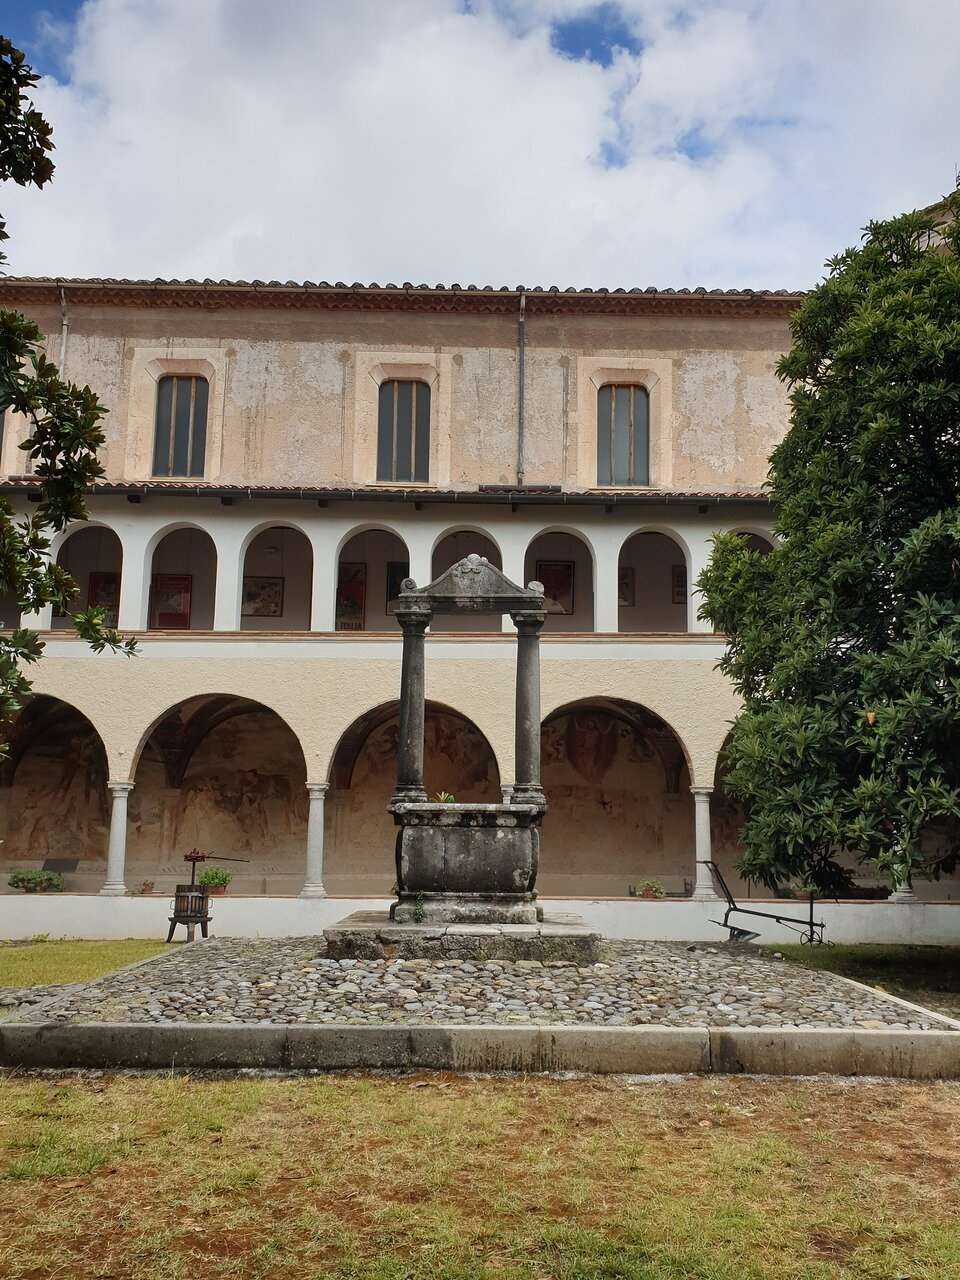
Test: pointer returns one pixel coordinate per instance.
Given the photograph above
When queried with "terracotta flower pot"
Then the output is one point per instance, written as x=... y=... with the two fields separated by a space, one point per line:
x=216 y=890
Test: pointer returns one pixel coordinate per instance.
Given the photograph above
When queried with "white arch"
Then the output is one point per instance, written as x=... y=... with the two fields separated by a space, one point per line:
x=370 y=526
x=479 y=530
x=255 y=531
x=666 y=532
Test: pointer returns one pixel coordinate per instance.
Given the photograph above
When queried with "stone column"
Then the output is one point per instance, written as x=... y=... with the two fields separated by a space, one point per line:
x=526 y=787
x=117 y=846
x=313 y=882
x=410 y=751
x=904 y=893
x=703 y=890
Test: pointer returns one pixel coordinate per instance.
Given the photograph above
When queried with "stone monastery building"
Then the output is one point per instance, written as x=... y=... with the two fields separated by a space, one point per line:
x=279 y=458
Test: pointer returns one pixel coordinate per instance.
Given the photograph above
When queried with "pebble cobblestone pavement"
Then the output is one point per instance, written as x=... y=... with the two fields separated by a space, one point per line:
x=290 y=980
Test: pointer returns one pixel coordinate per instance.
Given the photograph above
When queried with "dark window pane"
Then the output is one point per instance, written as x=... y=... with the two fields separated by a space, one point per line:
x=183 y=395
x=161 y=446
x=604 y=410
x=198 y=444
x=641 y=436
x=421 y=460
x=403 y=469
x=385 y=431
x=623 y=398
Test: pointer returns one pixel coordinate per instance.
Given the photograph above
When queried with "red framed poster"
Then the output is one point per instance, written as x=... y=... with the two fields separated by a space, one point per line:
x=351 y=597
x=103 y=592
x=170 y=600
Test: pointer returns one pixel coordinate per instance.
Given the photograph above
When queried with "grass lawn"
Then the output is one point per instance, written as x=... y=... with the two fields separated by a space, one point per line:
x=42 y=963
x=926 y=975
x=446 y=1178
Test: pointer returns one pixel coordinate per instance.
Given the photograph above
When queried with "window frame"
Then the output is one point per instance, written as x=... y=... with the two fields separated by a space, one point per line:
x=193 y=448
x=613 y=451
x=403 y=429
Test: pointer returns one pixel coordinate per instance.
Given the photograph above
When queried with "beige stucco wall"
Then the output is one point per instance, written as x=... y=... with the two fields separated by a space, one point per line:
x=293 y=393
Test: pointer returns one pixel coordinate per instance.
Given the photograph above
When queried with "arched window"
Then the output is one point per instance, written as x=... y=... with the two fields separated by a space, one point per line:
x=403 y=431
x=180 y=440
x=623 y=435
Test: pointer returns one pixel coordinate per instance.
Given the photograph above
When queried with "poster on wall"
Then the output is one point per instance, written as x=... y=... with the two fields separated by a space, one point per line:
x=626 y=586
x=397 y=570
x=262 y=597
x=679 y=580
x=557 y=579
x=103 y=592
x=351 y=597
x=171 y=597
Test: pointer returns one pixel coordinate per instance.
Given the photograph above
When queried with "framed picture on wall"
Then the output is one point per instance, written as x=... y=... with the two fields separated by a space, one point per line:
x=557 y=579
x=171 y=598
x=351 y=597
x=103 y=592
x=262 y=597
x=679 y=582
x=397 y=570
x=626 y=586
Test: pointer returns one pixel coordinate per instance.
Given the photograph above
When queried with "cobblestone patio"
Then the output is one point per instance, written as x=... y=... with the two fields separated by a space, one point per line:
x=292 y=981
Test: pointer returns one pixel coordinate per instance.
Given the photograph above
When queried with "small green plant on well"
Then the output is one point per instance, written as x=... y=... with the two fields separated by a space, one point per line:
x=418 y=912
x=214 y=878
x=646 y=889
x=444 y=797
x=37 y=881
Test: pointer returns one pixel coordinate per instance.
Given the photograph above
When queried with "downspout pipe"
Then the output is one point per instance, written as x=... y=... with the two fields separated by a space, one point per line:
x=64 y=333
x=521 y=357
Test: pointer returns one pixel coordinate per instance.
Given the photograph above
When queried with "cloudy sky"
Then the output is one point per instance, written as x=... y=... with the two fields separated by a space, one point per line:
x=666 y=142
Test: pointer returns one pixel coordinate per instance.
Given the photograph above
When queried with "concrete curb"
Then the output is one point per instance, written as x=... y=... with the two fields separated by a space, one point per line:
x=646 y=1050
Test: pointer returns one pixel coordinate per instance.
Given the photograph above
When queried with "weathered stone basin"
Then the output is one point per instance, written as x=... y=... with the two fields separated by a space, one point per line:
x=466 y=862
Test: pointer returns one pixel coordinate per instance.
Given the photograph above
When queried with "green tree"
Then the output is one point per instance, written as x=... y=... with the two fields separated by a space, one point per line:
x=64 y=420
x=844 y=641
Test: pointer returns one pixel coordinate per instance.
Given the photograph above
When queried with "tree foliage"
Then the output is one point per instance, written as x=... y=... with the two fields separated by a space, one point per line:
x=65 y=432
x=844 y=641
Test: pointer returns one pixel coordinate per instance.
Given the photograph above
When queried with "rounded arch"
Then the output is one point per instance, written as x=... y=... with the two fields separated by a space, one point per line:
x=451 y=547
x=277 y=579
x=223 y=701
x=54 y=802
x=221 y=773
x=652 y=581
x=181 y=567
x=667 y=532
x=757 y=539
x=568 y=557
x=477 y=530
x=92 y=553
x=372 y=561
x=360 y=834
x=264 y=526
x=617 y=778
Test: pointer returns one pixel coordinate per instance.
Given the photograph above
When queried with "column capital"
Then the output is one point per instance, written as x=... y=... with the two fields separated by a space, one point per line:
x=119 y=788
x=528 y=624
x=317 y=790
x=414 y=621
x=701 y=791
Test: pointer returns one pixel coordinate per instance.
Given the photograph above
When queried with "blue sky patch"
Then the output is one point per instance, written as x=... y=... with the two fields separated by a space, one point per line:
x=593 y=36
x=30 y=24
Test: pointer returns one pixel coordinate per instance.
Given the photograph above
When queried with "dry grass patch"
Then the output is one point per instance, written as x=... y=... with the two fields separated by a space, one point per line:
x=41 y=963
x=456 y=1179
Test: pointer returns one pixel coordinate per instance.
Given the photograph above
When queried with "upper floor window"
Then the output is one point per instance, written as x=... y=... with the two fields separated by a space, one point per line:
x=403 y=431
x=180 y=439
x=623 y=435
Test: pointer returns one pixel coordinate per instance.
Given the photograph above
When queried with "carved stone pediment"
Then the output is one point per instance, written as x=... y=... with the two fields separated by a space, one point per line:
x=473 y=585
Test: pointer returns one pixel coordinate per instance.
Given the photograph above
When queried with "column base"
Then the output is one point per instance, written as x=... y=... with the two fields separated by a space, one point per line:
x=113 y=891
x=313 y=891
x=905 y=896
x=703 y=894
x=703 y=889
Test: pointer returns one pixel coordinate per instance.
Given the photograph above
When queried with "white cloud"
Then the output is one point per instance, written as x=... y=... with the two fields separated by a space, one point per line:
x=431 y=140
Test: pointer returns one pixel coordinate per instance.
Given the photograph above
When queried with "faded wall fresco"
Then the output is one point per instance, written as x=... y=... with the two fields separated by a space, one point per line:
x=360 y=835
x=243 y=795
x=618 y=814
x=57 y=805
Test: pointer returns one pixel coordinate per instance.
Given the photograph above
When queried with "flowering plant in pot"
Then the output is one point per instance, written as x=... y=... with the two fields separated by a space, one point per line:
x=647 y=889
x=37 y=881
x=215 y=880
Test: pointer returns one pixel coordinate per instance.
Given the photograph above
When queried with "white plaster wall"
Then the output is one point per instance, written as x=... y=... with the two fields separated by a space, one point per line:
x=77 y=916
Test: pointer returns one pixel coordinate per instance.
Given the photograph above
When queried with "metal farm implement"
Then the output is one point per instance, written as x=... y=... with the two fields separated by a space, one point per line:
x=809 y=929
x=191 y=902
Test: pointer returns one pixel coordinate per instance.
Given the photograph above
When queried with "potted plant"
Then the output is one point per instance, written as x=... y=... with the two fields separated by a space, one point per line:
x=37 y=881
x=444 y=797
x=646 y=889
x=215 y=881
x=146 y=887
